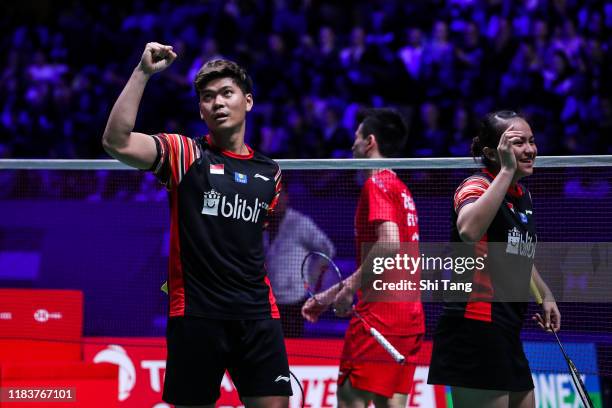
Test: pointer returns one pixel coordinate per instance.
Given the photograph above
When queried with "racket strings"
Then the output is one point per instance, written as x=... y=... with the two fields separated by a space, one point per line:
x=330 y=282
x=320 y=277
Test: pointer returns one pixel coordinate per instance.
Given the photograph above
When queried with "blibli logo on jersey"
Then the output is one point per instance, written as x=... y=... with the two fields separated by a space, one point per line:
x=236 y=208
x=519 y=244
x=514 y=239
x=211 y=203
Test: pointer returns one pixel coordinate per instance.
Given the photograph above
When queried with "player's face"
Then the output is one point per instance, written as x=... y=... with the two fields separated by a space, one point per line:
x=525 y=149
x=223 y=105
x=360 y=145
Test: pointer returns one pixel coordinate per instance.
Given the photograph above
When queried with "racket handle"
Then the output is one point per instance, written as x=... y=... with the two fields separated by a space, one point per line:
x=535 y=292
x=397 y=356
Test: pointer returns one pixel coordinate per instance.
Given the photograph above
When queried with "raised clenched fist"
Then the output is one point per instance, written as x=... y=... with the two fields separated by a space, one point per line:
x=156 y=57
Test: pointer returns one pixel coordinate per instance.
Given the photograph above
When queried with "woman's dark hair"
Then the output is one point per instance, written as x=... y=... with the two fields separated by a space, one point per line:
x=492 y=126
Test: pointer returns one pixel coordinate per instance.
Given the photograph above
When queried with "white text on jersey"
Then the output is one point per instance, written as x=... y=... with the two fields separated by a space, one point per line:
x=239 y=209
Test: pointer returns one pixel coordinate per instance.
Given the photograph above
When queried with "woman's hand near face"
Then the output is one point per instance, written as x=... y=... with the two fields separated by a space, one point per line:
x=507 y=157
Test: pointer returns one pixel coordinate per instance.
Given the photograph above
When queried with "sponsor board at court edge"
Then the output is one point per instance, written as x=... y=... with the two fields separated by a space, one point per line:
x=45 y=314
x=553 y=383
x=141 y=364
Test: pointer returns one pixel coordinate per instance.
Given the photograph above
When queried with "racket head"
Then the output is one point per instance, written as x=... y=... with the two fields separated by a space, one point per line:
x=319 y=274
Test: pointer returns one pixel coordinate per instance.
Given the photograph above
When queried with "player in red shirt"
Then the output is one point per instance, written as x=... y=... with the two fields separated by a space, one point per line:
x=386 y=217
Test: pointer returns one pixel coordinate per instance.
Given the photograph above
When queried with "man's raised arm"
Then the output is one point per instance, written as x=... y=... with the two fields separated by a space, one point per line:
x=132 y=148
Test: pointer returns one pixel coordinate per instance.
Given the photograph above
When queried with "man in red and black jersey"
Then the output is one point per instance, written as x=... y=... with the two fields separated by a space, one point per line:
x=223 y=315
x=477 y=348
x=385 y=219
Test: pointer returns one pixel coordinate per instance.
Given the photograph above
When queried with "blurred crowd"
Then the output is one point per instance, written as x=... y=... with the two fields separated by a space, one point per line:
x=443 y=63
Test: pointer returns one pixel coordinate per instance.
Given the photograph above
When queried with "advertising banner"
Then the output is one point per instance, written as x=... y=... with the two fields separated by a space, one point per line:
x=314 y=362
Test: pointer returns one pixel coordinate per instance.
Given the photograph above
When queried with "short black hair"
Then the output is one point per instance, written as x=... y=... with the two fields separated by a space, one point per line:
x=222 y=68
x=389 y=128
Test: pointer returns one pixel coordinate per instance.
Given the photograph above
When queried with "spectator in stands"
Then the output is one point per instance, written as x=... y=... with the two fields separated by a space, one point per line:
x=434 y=136
x=411 y=54
x=335 y=136
x=462 y=132
x=470 y=57
x=439 y=61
